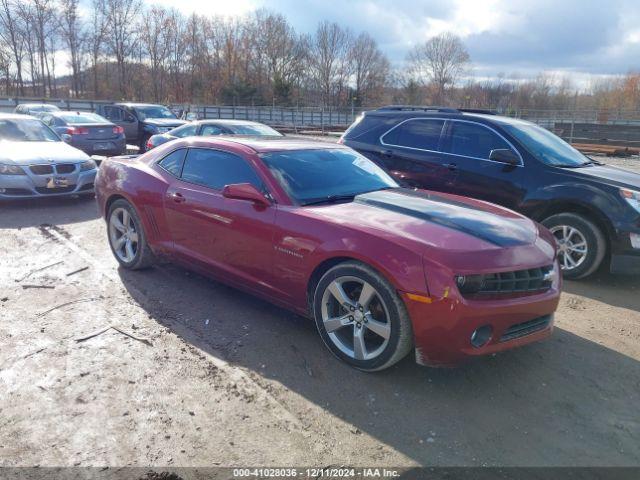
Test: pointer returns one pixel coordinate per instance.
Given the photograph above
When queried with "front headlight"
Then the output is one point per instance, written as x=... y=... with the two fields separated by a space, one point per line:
x=87 y=165
x=632 y=197
x=11 y=170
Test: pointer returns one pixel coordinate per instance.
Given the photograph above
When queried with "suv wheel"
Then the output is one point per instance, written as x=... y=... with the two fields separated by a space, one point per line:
x=360 y=317
x=581 y=244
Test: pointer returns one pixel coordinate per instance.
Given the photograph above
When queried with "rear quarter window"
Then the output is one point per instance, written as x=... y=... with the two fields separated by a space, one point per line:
x=174 y=162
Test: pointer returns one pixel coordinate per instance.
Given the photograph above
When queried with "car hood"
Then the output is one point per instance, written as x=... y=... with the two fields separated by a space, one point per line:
x=434 y=220
x=610 y=175
x=164 y=122
x=25 y=153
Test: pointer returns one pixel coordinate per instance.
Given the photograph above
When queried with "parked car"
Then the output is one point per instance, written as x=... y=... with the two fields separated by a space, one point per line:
x=35 y=109
x=35 y=162
x=323 y=231
x=592 y=209
x=140 y=120
x=207 y=128
x=89 y=132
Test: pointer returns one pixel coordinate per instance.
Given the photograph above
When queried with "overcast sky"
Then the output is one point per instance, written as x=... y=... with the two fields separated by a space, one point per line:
x=510 y=37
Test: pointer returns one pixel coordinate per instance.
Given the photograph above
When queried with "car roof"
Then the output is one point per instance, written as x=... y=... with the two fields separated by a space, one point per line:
x=260 y=144
x=127 y=104
x=16 y=116
x=37 y=105
x=227 y=121
x=406 y=112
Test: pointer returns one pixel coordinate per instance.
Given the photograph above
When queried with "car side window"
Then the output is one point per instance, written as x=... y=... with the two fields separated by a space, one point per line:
x=173 y=162
x=473 y=140
x=112 y=113
x=215 y=169
x=210 y=130
x=184 y=131
x=422 y=134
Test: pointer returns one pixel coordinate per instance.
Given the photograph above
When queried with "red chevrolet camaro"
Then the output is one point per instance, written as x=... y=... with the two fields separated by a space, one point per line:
x=321 y=230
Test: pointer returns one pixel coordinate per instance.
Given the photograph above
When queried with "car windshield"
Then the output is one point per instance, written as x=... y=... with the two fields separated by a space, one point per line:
x=249 y=129
x=154 y=111
x=547 y=147
x=26 y=131
x=316 y=176
x=83 y=118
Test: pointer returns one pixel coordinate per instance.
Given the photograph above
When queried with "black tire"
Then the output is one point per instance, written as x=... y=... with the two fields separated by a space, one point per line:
x=595 y=239
x=143 y=257
x=400 y=339
x=143 y=143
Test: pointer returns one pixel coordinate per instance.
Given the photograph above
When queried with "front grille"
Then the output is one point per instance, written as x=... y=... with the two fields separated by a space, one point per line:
x=49 y=191
x=526 y=328
x=65 y=168
x=518 y=281
x=41 y=169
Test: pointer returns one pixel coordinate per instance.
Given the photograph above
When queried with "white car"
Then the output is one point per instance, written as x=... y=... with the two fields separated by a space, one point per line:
x=35 y=162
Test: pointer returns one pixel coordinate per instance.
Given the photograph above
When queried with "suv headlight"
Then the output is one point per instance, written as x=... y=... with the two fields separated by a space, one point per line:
x=87 y=165
x=11 y=170
x=632 y=197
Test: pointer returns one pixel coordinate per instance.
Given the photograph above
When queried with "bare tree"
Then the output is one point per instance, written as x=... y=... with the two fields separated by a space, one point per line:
x=74 y=36
x=153 y=28
x=329 y=59
x=370 y=68
x=11 y=34
x=441 y=60
x=121 y=20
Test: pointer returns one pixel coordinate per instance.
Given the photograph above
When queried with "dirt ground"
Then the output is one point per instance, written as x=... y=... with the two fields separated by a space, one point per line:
x=217 y=377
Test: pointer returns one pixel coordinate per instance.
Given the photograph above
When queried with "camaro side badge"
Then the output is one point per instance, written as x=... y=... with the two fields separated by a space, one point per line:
x=287 y=251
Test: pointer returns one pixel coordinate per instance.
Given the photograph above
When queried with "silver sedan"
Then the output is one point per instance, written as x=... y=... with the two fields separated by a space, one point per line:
x=35 y=162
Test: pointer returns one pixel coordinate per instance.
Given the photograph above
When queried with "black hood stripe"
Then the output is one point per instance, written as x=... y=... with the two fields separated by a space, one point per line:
x=465 y=218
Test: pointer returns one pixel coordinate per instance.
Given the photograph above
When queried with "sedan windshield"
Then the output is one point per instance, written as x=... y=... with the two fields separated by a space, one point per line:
x=260 y=130
x=154 y=111
x=547 y=147
x=26 y=131
x=316 y=176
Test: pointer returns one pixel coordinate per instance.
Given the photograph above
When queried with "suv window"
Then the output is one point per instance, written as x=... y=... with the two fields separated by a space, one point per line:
x=419 y=133
x=113 y=113
x=173 y=162
x=473 y=140
x=215 y=169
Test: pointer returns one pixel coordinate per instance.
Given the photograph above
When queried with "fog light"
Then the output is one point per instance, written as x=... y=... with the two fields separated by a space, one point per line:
x=481 y=336
x=635 y=240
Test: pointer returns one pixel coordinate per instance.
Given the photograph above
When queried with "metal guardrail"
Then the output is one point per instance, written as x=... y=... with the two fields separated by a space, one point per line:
x=569 y=124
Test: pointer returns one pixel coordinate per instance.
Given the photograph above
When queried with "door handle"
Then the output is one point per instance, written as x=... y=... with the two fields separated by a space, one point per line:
x=451 y=166
x=177 y=197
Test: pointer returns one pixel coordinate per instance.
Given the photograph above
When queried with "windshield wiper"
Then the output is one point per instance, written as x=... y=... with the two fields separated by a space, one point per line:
x=331 y=199
x=342 y=197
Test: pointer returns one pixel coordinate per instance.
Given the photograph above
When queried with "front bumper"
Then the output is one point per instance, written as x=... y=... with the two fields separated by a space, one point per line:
x=625 y=257
x=14 y=187
x=443 y=328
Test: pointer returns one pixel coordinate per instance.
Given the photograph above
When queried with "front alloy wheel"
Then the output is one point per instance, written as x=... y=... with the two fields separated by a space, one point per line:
x=361 y=318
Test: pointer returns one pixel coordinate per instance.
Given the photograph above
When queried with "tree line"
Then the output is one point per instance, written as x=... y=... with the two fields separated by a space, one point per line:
x=126 y=50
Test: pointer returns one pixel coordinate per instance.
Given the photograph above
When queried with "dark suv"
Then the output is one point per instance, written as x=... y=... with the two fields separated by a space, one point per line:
x=140 y=120
x=592 y=209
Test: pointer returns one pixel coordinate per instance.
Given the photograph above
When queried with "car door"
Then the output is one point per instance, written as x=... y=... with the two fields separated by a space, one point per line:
x=467 y=146
x=411 y=154
x=230 y=237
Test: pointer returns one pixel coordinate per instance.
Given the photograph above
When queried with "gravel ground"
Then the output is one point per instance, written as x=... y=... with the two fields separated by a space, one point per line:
x=217 y=377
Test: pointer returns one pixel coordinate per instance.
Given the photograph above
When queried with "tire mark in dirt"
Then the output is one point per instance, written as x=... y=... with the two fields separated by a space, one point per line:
x=236 y=375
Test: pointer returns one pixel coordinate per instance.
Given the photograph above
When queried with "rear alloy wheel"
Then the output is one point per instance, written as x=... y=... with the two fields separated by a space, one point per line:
x=361 y=318
x=126 y=237
x=581 y=244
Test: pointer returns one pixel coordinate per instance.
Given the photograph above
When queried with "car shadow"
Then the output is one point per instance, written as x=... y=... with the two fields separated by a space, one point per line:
x=54 y=211
x=616 y=290
x=565 y=401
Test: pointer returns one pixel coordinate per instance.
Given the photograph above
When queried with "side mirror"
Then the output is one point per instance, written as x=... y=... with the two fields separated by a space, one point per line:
x=504 y=155
x=66 y=137
x=245 y=191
